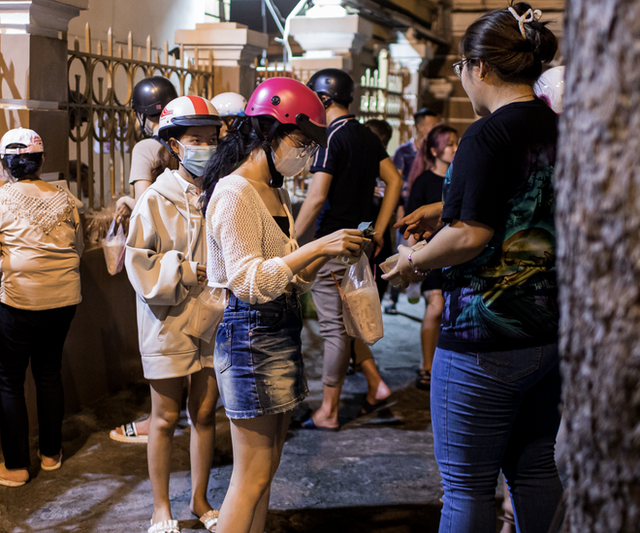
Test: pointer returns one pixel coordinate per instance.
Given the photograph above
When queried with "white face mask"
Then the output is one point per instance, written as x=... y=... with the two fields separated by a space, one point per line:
x=293 y=159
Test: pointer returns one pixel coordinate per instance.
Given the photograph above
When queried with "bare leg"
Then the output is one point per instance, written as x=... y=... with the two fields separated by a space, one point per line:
x=377 y=389
x=257 y=445
x=260 y=516
x=203 y=395
x=508 y=510
x=327 y=415
x=166 y=395
x=431 y=326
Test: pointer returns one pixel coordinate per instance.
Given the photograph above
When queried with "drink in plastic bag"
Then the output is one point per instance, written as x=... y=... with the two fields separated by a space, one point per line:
x=390 y=263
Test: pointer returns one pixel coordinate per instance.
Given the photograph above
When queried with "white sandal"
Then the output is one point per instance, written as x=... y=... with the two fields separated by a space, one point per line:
x=210 y=519
x=52 y=467
x=166 y=526
x=129 y=434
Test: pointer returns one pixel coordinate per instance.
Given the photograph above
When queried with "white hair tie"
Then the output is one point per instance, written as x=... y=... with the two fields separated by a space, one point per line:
x=529 y=16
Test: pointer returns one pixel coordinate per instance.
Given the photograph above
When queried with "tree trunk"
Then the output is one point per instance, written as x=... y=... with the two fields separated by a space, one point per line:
x=598 y=226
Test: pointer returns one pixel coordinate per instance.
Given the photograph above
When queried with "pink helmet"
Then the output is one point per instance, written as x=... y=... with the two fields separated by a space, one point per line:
x=290 y=102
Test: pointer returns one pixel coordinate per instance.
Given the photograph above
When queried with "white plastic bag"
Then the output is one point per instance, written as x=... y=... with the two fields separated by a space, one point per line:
x=361 y=303
x=207 y=313
x=113 y=246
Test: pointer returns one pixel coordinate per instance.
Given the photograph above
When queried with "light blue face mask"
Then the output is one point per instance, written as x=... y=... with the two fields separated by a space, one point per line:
x=196 y=158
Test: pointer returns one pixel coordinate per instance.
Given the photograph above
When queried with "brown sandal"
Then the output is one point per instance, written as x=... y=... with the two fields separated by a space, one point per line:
x=424 y=380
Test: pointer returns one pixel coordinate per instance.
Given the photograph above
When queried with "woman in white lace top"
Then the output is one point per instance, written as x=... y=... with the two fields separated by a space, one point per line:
x=40 y=248
x=253 y=252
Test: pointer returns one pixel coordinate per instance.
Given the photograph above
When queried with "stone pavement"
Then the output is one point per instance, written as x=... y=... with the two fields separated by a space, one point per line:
x=377 y=474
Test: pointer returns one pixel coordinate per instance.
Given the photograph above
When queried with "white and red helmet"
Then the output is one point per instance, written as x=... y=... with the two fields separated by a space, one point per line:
x=229 y=104
x=187 y=111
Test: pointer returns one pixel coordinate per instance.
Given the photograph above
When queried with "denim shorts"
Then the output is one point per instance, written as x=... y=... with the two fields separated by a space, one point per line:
x=258 y=357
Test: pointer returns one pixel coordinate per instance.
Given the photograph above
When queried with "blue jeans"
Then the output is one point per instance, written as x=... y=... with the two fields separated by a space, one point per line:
x=493 y=411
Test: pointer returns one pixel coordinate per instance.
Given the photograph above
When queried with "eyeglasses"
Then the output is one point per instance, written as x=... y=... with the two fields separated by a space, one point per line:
x=299 y=143
x=457 y=68
x=309 y=146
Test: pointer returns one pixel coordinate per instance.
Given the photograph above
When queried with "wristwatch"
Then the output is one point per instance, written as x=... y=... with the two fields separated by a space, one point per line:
x=416 y=270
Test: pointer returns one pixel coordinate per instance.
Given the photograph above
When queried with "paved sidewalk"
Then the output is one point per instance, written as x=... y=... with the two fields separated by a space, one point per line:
x=377 y=474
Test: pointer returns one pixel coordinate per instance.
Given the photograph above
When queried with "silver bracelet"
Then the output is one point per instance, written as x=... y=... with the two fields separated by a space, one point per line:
x=416 y=270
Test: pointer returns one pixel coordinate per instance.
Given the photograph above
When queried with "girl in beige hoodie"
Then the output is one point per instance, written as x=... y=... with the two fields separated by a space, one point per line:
x=166 y=264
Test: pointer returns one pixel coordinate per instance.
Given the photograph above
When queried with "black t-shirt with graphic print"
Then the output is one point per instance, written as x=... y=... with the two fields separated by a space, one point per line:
x=352 y=157
x=502 y=177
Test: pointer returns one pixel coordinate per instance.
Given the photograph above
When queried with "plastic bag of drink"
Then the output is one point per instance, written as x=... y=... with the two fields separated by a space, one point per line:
x=361 y=303
x=113 y=246
x=207 y=313
x=413 y=292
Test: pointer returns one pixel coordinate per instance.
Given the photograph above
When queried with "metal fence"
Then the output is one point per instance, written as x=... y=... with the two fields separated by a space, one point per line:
x=280 y=70
x=102 y=126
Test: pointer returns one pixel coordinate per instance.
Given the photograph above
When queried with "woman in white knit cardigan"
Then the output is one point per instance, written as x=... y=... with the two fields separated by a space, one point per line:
x=253 y=253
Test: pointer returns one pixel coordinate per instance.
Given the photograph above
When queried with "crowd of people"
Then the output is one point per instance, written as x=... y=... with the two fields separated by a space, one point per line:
x=209 y=216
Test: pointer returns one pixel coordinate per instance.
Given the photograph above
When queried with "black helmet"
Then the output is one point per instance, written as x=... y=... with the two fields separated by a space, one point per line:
x=334 y=83
x=151 y=95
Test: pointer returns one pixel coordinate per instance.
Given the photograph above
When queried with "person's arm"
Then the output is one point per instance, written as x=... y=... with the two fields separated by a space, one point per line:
x=308 y=259
x=422 y=222
x=235 y=225
x=456 y=244
x=317 y=195
x=159 y=278
x=393 y=187
x=139 y=187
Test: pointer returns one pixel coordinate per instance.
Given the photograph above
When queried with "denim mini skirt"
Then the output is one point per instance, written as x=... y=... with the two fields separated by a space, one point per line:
x=258 y=357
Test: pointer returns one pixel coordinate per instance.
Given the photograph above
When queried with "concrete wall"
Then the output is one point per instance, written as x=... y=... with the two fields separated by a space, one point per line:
x=158 y=18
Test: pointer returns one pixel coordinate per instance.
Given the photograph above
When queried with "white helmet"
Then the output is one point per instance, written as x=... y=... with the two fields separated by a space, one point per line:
x=229 y=104
x=31 y=141
x=550 y=88
x=187 y=111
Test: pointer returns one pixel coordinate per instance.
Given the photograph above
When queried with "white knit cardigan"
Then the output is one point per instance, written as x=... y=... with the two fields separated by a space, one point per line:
x=245 y=244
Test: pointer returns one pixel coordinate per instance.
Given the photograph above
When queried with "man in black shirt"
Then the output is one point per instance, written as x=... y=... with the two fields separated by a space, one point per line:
x=340 y=196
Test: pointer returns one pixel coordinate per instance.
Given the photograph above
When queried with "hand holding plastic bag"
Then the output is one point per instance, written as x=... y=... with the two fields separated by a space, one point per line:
x=361 y=303
x=113 y=246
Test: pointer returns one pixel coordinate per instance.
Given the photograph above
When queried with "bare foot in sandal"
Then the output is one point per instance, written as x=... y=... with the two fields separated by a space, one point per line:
x=132 y=432
x=424 y=380
x=13 y=477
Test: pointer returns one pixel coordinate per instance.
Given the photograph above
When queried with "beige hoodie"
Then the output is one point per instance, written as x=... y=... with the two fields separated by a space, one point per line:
x=166 y=242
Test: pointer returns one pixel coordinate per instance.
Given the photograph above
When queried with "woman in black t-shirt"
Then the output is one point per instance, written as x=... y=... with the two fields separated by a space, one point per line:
x=495 y=380
x=436 y=151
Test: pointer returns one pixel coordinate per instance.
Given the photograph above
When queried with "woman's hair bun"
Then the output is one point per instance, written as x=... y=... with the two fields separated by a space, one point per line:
x=545 y=44
x=512 y=41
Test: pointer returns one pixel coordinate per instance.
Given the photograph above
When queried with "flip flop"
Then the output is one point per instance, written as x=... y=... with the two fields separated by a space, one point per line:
x=129 y=434
x=210 y=519
x=310 y=424
x=166 y=526
x=10 y=483
x=368 y=408
x=423 y=382
x=52 y=467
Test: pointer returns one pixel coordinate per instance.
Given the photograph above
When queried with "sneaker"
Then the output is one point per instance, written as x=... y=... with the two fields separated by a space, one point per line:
x=390 y=310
